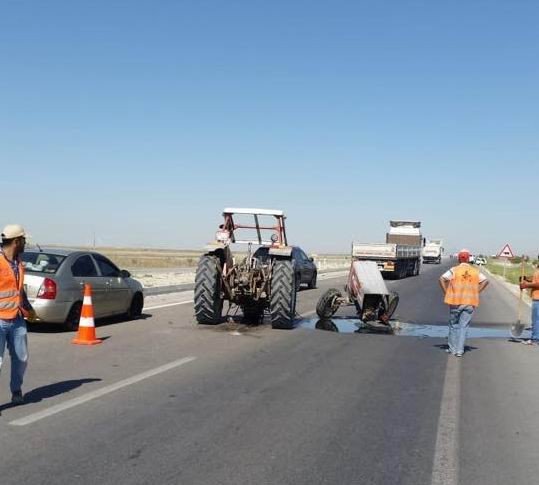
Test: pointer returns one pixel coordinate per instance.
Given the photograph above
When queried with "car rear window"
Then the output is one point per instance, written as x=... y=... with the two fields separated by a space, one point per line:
x=41 y=262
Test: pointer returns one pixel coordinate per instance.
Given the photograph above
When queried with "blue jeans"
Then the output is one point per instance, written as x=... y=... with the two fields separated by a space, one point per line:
x=535 y=320
x=459 y=319
x=13 y=333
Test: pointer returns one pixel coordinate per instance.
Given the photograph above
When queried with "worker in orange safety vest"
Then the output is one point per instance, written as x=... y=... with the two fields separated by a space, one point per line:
x=532 y=284
x=14 y=307
x=461 y=285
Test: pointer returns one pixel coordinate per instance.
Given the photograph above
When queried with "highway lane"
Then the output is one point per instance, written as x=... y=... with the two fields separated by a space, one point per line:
x=422 y=302
x=273 y=406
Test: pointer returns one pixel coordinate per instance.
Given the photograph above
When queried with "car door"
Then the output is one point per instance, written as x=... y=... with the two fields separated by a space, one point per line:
x=118 y=292
x=307 y=267
x=300 y=264
x=84 y=271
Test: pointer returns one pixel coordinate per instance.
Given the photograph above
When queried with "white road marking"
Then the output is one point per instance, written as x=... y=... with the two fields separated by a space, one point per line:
x=58 y=408
x=445 y=469
x=167 y=305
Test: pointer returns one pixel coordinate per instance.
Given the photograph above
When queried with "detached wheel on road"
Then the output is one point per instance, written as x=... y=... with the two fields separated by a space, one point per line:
x=391 y=305
x=71 y=323
x=328 y=303
x=283 y=295
x=135 y=309
x=208 y=301
x=312 y=283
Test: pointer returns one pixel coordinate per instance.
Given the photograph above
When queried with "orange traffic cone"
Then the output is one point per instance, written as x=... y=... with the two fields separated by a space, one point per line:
x=86 y=333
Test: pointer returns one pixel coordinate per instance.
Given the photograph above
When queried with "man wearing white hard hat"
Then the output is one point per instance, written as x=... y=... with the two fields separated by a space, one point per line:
x=461 y=285
x=14 y=307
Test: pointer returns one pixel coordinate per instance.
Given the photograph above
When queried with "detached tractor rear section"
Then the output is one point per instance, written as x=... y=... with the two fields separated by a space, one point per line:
x=262 y=281
x=366 y=291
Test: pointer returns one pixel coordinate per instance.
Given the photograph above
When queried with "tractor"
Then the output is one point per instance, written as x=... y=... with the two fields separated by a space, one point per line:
x=259 y=282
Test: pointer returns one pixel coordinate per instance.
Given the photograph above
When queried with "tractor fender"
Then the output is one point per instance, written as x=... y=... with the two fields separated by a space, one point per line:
x=281 y=251
x=214 y=246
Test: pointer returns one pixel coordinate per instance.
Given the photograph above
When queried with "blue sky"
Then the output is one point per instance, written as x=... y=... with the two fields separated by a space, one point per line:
x=141 y=120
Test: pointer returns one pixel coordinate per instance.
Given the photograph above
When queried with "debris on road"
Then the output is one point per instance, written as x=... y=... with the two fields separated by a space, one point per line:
x=366 y=290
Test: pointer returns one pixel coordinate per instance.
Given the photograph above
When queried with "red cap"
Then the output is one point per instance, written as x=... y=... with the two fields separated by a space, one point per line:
x=464 y=256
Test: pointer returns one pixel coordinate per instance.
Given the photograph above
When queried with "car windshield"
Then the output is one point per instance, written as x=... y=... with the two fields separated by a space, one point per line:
x=42 y=262
x=262 y=253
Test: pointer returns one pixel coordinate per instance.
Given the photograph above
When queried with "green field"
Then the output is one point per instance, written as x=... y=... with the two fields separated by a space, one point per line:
x=512 y=272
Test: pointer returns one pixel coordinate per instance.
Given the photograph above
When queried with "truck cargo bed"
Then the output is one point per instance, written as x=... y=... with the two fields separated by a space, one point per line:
x=385 y=251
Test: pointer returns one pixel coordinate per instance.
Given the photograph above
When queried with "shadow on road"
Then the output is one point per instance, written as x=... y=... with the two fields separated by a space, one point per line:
x=45 y=327
x=445 y=347
x=50 y=390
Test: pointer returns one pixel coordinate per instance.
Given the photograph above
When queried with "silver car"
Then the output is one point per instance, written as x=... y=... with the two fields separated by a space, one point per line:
x=54 y=282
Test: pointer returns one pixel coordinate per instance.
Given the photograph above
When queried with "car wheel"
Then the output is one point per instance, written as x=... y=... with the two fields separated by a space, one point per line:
x=312 y=283
x=71 y=323
x=298 y=281
x=137 y=304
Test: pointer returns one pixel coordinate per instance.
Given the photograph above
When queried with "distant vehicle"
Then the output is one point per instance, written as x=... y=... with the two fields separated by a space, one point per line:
x=400 y=256
x=306 y=271
x=472 y=259
x=54 y=281
x=432 y=252
x=480 y=261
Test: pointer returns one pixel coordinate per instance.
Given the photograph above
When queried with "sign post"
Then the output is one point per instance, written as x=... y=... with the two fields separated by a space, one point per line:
x=506 y=253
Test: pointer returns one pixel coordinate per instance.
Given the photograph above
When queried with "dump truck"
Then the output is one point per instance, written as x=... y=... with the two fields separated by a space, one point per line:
x=433 y=250
x=400 y=255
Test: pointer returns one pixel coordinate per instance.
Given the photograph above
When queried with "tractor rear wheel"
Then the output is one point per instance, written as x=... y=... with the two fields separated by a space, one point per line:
x=208 y=301
x=283 y=295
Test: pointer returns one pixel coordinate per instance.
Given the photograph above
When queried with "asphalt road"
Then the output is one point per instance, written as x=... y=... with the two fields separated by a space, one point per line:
x=163 y=401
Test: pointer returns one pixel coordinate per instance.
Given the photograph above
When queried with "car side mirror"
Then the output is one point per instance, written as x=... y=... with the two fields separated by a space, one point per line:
x=311 y=260
x=125 y=274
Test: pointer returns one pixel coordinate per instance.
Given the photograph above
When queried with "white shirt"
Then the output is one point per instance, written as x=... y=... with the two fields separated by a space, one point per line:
x=448 y=275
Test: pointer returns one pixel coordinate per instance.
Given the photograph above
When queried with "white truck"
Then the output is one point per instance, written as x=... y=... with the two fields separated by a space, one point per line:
x=400 y=255
x=433 y=250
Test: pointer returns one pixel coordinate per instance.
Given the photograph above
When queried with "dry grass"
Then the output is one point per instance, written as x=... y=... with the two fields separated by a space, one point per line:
x=137 y=258
x=148 y=258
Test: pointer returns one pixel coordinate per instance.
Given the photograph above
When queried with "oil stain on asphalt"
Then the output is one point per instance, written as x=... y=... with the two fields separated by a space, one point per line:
x=400 y=329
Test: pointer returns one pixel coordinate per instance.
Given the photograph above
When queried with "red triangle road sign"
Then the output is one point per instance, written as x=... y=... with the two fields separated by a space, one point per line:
x=506 y=252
